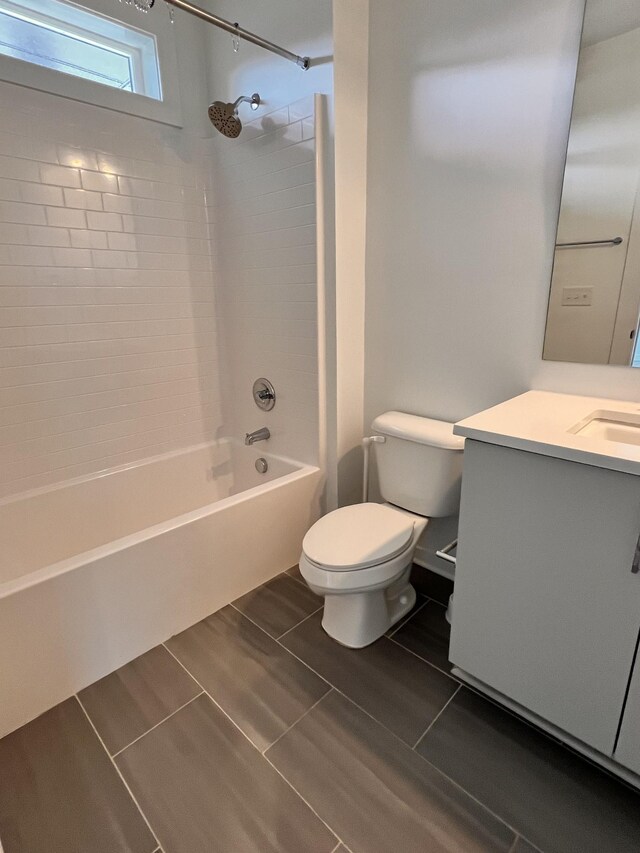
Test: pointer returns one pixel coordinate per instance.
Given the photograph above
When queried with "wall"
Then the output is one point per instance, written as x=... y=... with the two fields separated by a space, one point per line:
x=107 y=329
x=351 y=109
x=469 y=108
x=262 y=214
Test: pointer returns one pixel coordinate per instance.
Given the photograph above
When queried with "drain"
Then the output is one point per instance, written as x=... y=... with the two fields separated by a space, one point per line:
x=262 y=466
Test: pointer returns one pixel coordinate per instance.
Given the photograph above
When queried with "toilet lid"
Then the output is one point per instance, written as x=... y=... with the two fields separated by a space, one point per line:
x=355 y=537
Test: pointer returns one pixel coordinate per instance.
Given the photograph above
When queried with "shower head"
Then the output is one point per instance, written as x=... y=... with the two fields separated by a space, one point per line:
x=224 y=117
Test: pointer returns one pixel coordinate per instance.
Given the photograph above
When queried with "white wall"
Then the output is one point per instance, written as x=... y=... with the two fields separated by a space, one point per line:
x=469 y=108
x=351 y=24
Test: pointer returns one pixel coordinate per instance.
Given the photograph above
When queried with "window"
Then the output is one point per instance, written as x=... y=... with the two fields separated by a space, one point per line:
x=98 y=55
x=66 y=38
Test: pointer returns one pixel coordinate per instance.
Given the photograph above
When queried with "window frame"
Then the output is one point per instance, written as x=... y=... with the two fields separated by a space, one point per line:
x=158 y=25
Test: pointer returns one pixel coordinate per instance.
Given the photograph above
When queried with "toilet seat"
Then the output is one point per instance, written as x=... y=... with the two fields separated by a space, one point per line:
x=358 y=537
x=327 y=581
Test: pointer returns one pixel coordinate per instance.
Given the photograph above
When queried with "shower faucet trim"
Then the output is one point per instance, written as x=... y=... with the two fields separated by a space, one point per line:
x=261 y=434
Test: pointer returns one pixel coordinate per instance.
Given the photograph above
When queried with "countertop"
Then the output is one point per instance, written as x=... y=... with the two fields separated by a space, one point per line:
x=541 y=422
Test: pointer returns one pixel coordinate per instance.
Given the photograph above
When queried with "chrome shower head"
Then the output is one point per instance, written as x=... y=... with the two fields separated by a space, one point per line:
x=224 y=117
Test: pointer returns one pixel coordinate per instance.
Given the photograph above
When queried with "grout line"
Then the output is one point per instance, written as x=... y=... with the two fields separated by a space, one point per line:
x=406 y=619
x=264 y=631
x=513 y=847
x=468 y=794
x=344 y=695
x=221 y=205
x=214 y=211
x=190 y=674
x=245 y=735
x=288 y=729
x=309 y=806
x=527 y=842
x=438 y=715
x=277 y=640
x=424 y=660
x=222 y=223
x=144 y=734
x=439 y=603
x=297 y=625
x=393 y=734
x=117 y=769
x=262 y=175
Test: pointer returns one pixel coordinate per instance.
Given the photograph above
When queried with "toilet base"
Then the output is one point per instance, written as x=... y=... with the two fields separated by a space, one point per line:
x=360 y=618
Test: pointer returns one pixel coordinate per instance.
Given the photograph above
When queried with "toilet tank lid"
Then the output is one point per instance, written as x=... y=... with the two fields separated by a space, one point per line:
x=418 y=429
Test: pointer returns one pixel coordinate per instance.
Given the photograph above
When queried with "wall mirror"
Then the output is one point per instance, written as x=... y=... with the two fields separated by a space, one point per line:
x=594 y=301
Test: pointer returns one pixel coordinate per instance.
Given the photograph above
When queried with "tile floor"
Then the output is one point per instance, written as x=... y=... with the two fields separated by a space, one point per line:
x=253 y=731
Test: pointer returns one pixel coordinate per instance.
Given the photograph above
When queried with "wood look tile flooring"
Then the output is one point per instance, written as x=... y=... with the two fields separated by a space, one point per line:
x=254 y=732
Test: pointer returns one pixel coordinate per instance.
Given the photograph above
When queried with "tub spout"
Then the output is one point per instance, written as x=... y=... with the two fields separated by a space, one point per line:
x=261 y=434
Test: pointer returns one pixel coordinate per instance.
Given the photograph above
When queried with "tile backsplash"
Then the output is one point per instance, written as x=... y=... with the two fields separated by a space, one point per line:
x=146 y=275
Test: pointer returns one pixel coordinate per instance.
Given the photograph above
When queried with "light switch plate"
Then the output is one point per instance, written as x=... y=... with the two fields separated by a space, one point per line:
x=577 y=296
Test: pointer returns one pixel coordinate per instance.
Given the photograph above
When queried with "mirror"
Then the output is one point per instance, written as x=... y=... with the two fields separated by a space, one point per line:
x=594 y=302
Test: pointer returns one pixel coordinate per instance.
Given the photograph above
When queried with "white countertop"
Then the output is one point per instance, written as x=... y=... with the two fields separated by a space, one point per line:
x=540 y=421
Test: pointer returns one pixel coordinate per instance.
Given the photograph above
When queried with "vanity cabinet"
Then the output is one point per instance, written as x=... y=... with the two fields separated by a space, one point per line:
x=546 y=607
x=628 y=747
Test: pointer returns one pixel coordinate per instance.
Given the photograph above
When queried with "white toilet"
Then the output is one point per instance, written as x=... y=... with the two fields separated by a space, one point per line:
x=359 y=557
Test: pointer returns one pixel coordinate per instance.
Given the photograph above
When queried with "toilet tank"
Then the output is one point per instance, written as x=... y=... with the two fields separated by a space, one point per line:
x=419 y=463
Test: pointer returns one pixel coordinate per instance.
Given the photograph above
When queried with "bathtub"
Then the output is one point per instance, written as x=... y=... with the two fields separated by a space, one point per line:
x=97 y=571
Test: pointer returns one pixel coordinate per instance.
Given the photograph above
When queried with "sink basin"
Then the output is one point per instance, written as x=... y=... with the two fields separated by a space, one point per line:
x=622 y=427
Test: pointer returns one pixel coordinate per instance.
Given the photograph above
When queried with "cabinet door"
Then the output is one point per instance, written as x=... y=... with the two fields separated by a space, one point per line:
x=546 y=608
x=628 y=748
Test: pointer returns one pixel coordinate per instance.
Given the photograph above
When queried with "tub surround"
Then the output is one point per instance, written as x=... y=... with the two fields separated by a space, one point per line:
x=125 y=287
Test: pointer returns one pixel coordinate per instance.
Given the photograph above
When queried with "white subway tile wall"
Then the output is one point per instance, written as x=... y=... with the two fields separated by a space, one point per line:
x=263 y=238
x=146 y=278
x=109 y=347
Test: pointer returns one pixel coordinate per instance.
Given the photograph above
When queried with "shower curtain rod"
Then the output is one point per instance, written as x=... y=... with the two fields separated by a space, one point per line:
x=301 y=61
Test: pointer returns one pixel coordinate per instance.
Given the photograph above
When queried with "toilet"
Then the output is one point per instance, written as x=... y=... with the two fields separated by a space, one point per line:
x=359 y=557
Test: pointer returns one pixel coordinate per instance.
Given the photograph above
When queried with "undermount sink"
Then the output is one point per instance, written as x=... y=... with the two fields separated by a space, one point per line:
x=622 y=427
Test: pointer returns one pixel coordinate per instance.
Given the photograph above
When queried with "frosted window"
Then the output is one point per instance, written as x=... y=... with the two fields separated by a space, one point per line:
x=74 y=40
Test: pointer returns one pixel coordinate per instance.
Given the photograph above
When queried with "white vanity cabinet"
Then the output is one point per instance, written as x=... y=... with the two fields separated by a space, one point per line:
x=546 y=607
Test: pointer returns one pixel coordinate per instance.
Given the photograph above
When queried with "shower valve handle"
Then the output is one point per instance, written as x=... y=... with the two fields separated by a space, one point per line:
x=264 y=394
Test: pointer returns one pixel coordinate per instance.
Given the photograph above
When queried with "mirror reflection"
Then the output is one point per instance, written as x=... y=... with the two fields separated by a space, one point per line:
x=594 y=302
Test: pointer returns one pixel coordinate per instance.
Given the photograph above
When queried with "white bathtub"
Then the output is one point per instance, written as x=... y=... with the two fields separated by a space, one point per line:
x=97 y=571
